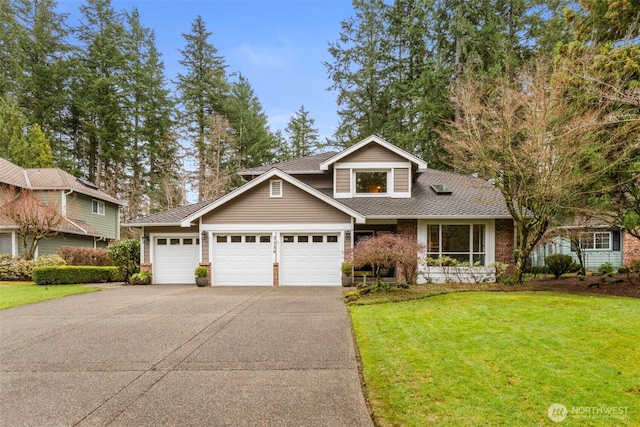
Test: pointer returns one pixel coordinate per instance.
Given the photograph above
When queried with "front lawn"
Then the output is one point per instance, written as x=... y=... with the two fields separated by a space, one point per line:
x=493 y=358
x=13 y=294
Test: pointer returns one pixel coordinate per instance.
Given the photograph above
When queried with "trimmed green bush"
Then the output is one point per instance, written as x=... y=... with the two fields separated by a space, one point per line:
x=73 y=274
x=606 y=268
x=558 y=264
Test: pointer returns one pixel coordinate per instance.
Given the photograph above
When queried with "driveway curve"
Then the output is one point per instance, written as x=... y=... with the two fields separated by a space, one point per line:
x=181 y=356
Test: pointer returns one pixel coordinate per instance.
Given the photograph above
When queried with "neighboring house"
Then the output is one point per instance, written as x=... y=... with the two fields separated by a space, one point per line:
x=91 y=218
x=598 y=243
x=295 y=222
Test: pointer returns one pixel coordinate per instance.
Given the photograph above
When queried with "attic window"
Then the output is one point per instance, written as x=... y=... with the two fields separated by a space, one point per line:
x=276 y=188
x=441 y=189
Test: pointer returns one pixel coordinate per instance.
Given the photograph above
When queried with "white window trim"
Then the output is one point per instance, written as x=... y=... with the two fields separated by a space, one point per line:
x=489 y=234
x=387 y=193
x=593 y=236
x=99 y=203
x=272 y=193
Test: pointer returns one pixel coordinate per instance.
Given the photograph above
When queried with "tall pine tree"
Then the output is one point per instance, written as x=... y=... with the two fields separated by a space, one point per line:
x=202 y=91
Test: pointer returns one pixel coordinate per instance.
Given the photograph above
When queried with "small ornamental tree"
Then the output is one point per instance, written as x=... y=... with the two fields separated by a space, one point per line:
x=389 y=251
x=35 y=218
x=126 y=255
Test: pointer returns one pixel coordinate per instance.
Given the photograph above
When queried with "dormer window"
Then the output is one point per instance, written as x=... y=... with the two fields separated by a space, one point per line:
x=371 y=182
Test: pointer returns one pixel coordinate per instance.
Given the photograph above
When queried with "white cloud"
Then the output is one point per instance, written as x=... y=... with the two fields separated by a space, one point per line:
x=266 y=56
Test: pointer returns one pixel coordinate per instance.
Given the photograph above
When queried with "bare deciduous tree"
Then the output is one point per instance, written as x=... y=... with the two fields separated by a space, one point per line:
x=34 y=217
x=532 y=142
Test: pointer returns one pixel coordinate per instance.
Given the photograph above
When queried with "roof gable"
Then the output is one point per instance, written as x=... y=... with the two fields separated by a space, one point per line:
x=186 y=222
x=421 y=164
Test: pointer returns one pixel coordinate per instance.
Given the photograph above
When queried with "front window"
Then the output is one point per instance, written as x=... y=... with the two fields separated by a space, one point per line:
x=371 y=182
x=462 y=242
x=600 y=241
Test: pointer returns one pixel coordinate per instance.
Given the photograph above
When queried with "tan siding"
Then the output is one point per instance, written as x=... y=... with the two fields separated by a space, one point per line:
x=179 y=230
x=256 y=207
x=373 y=153
x=205 y=251
x=343 y=181
x=317 y=181
x=401 y=180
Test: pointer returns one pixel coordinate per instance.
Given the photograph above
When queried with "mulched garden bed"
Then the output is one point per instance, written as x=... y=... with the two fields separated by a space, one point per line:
x=618 y=284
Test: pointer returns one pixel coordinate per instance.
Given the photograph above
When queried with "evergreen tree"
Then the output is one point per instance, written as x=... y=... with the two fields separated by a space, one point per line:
x=202 y=91
x=303 y=138
x=12 y=126
x=100 y=134
x=358 y=71
x=148 y=110
x=255 y=143
x=33 y=150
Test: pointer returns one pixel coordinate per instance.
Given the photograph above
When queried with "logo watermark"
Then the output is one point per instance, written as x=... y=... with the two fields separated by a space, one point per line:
x=558 y=412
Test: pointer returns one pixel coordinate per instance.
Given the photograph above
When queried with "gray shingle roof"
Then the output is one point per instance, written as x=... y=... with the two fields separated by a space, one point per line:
x=310 y=164
x=170 y=217
x=471 y=197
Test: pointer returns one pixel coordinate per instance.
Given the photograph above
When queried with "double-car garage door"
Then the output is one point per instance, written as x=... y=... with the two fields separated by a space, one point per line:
x=304 y=259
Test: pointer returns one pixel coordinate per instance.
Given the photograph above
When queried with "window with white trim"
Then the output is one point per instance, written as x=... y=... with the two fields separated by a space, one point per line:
x=371 y=182
x=463 y=242
x=596 y=241
x=275 y=188
x=97 y=207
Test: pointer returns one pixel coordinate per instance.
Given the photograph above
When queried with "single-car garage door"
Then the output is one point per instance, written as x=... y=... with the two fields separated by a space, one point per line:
x=176 y=257
x=242 y=259
x=310 y=259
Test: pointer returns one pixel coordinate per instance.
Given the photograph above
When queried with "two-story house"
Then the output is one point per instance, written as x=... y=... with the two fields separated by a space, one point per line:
x=295 y=222
x=90 y=217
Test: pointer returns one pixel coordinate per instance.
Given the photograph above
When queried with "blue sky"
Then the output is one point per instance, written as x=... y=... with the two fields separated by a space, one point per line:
x=280 y=46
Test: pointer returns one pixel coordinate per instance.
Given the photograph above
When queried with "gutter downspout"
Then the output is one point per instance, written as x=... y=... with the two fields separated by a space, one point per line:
x=64 y=202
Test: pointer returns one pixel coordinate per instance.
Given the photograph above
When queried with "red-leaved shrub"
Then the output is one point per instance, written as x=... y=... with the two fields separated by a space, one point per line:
x=389 y=251
x=84 y=256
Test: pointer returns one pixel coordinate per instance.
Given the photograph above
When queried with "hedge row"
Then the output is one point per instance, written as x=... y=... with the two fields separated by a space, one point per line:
x=72 y=274
x=20 y=269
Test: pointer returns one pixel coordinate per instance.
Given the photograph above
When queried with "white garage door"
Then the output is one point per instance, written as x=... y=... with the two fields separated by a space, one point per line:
x=242 y=259
x=310 y=259
x=175 y=259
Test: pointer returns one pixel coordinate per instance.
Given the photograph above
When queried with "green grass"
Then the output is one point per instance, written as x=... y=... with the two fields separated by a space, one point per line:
x=13 y=294
x=493 y=358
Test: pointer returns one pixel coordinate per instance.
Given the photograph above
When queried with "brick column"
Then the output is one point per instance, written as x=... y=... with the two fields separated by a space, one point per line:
x=276 y=274
x=505 y=242
x=630 y=248
x=408 y=227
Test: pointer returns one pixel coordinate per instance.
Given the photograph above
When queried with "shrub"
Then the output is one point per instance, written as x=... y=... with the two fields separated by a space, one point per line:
x=558 y=264
x=72 y=274
x=201 y=271
x=606 y=268
x=49 y=260
x=15 y=268
x=74 y=255
x=624 y=270
x=389 y=251
x=126 y=256
x=574 y=268
x=142 y=278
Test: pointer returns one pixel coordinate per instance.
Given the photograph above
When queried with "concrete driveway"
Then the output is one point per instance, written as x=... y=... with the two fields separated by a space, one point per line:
x=181 y=356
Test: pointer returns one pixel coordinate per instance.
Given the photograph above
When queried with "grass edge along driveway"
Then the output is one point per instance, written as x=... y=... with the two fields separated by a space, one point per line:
x=490 y=358
x=13 y=294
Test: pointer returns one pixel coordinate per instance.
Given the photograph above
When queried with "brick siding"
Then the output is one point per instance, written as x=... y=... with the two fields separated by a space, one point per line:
x=505 y=242
x=630 y=248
